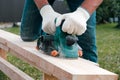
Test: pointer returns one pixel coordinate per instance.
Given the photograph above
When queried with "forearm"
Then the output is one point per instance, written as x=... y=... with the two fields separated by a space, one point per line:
x=40 y=3
x=91 y=5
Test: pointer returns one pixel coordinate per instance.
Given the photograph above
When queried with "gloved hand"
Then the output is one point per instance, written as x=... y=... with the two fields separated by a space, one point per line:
x=48 y=15
x=75 y=22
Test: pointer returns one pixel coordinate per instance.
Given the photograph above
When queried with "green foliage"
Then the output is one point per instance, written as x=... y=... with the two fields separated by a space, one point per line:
x=3 y=76
x=109 y=8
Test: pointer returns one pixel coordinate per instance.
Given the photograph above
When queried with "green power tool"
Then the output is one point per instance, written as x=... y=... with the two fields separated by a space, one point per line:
x=60 y=44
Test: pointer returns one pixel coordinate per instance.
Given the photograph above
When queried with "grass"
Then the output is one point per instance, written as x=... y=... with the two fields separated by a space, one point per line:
x=108 y=39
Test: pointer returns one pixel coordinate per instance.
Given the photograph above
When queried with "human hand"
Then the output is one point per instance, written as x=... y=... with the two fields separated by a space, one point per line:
x=48 y=15
x=75 y=22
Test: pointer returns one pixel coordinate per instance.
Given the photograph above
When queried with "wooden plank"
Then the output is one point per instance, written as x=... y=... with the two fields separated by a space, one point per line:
x=4 y=47
x=12 y=72
x=63 y=69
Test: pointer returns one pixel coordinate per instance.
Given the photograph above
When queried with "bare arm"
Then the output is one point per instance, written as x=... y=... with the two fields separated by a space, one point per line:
x=91 y=5
x=40 y=3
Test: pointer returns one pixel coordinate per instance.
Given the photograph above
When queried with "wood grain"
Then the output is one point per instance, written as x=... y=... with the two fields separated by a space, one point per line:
x=62 y=69
x=12 y=72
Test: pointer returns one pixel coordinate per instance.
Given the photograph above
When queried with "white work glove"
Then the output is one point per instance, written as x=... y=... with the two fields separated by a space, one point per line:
x=48 y=15
x=75 y=22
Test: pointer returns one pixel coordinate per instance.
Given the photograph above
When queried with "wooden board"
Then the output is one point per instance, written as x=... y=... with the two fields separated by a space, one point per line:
x=12 y=72
x=63 y=69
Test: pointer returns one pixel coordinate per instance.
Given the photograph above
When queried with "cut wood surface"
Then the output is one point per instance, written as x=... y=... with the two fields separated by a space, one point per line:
x=3 y=53
x=63 y=69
